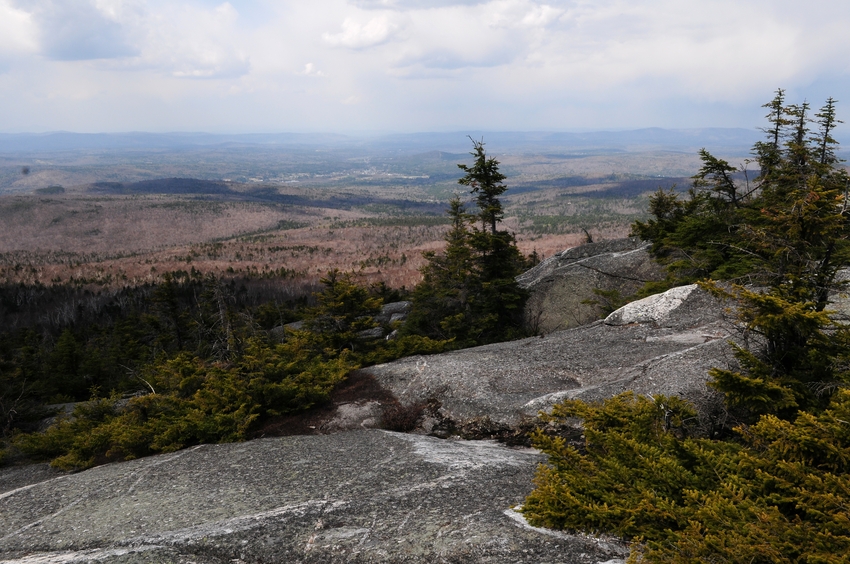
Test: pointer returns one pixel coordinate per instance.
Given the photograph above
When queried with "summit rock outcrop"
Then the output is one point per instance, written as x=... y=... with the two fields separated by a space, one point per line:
x=664 y=344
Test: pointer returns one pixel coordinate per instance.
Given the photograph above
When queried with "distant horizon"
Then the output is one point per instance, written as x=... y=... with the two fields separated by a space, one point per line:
x=369 y=133
x=452 y=141
x=736 y=139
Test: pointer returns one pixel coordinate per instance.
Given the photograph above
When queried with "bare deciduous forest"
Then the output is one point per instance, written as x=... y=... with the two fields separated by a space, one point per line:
x=119 y=227
x=118 y=240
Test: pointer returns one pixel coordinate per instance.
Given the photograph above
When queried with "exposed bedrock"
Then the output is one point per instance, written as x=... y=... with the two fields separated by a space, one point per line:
x=364 y=496
x=664 y=344
x=560 y=284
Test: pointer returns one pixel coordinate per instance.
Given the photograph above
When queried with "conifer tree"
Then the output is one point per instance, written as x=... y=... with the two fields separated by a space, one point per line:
x=485 y=181
x=441 y=299
x=787 y=232
x=343 y=312
x=469 y=293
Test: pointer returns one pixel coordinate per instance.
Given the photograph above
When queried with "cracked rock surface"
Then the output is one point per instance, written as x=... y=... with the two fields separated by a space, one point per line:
x=664 y=346
x=561 y=285
x=361 y=496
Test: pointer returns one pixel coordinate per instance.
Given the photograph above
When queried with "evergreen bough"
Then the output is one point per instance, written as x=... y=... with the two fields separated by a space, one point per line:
x=777 y=494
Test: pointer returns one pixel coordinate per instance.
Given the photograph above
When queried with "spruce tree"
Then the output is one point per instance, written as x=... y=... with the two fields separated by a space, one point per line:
x=468 y=292
x=485 y=181
x=441 y=300
x=786 y=233
x=345 y=311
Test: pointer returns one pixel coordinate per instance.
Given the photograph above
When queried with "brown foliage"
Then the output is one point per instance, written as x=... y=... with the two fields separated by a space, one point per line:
x=114 y=241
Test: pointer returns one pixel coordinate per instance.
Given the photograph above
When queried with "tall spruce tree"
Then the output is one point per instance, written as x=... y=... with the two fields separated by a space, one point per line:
x=485 y=181
x=786 y=232
x=468 y=292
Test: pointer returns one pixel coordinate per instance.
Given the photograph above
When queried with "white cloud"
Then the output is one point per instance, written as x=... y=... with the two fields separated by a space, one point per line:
x=181 y=39
x=356 y=35
x=519 y=13
x=699 y=51
x=494 y=34
x=587 y=46
x=187 y=41
x=17 y=31
x=411 y=64
x=412 y=4
x=311 y=70
x=72 y=31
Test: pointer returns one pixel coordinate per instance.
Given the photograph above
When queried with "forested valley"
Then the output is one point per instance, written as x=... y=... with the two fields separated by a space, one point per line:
x=197 y=357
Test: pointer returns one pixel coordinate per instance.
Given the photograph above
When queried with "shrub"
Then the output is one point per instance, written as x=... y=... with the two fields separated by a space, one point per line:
x=777 y=494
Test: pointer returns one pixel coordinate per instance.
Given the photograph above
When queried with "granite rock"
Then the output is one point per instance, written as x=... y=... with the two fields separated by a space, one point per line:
x=667 y=349
x=364 y=497
x=560 y=284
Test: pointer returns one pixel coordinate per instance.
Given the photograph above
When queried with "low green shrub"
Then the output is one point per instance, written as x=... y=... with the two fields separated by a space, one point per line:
x=779 y=493
x=196 y=401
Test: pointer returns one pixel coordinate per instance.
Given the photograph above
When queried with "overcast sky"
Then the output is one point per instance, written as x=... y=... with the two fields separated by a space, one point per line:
x=355 y=66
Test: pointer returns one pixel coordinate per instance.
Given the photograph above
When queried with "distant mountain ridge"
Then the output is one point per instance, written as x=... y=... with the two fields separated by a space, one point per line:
x=70 y=141
x=648 y=138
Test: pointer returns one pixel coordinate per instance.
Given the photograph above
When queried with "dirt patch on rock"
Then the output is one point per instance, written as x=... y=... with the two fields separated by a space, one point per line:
x=359 y=389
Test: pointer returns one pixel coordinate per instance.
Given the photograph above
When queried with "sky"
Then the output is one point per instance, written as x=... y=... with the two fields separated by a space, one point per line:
x=403 y=66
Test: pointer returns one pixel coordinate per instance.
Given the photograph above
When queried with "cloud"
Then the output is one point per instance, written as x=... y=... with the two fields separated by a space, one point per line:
x=356 y=35
x=584 y=47
x=180 y=39
x=78 y=30
x=413 y=4
x=311 y=70
x=189 y=41
x=471 y=36
x=699 y=51
x=17 y=31
x=414 y=63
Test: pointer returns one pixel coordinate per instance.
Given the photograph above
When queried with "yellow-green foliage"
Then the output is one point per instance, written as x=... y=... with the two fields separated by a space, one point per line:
x=196 y=401
x=406 y=345
x=781 y=493
x=234 y=380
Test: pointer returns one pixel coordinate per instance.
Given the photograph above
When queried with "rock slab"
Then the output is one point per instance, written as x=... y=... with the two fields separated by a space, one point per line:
x=365 y=496
x=560 y=284
x=664 y=345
